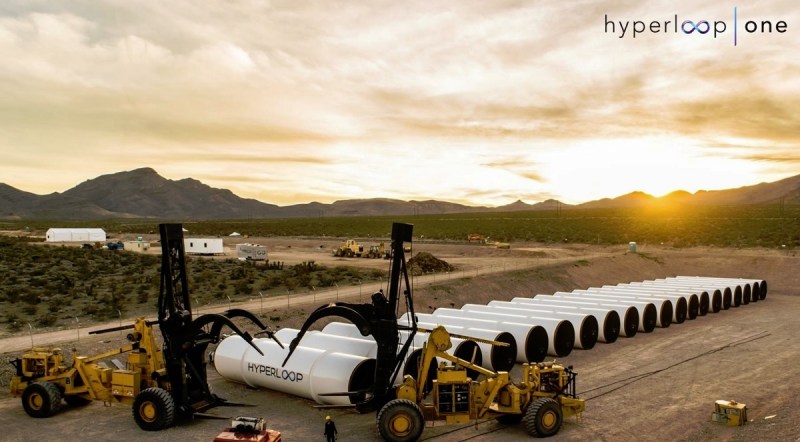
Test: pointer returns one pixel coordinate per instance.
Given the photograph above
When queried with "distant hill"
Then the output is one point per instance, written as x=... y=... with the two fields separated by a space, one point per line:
x=143 y=193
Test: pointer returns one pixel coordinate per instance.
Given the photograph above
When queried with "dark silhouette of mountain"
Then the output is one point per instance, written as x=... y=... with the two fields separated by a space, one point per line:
x=143 y=193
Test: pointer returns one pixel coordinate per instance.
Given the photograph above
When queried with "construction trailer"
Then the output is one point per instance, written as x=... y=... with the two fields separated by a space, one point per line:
x=203 y=246
x=59 y=234
x=251 y=252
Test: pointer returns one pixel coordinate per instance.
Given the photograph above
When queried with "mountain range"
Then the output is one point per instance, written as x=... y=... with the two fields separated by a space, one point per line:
x=143 y=193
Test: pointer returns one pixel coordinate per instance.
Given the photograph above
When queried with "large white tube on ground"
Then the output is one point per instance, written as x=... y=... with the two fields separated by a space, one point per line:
x=701 y=296
x=679 y=302
x=664 y=309
x=461 y=348
x=586 y=325
x=560 y=332
x=310 y=373
x=744 y=288
x=691 y=297
x=532 y=340
x=495 y=358
x=758 y=286
x=323 y=341
x=609 y=319
x=645 y=313
x=677 y=306
x=627 y=317
x=343 y=329
x=712 y=296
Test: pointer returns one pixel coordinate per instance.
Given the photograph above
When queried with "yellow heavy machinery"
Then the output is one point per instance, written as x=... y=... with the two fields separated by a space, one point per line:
x=43 y=378
x=162 y=383
x=544 y=397
x=730 y=413
x=377 y=251
x=349 y=249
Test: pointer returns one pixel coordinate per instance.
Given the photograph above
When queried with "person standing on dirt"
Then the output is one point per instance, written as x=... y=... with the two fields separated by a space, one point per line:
x=330 y=429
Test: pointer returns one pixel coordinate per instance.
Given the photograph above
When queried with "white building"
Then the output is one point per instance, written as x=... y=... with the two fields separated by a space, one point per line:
x=203 y=246
x=57 y=234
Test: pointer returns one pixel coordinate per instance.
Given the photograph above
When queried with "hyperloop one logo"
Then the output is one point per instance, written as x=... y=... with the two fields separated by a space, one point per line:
x=696 y=28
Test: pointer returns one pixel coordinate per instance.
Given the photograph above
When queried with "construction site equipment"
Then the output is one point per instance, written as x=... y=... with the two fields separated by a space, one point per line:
x=43 y=378
x=250 y=429
x=377 y=319
x=349 y=249
x=377 y=251
x=161 y=384
x=183 y=389
x=544 y=397
x=730 y=413
x=476 y=237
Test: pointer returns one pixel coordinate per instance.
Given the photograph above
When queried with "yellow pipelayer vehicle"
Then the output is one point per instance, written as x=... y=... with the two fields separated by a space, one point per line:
x=42 y=378
x=542 y=399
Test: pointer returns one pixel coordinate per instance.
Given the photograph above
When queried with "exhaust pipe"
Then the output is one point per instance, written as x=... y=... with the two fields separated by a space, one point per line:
x=311 y=373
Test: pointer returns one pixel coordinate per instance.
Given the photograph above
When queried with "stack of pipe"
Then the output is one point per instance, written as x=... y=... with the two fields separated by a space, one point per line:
x=339 y=359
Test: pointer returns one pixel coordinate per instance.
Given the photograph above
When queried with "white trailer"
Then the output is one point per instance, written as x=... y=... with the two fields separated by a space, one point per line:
x=251 y=252
x=203 y=246
x=58 y=234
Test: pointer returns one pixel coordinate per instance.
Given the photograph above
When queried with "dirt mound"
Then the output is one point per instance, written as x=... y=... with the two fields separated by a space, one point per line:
x=425 y=262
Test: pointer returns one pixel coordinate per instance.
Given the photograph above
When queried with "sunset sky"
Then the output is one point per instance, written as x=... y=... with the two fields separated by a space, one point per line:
x=477 y=102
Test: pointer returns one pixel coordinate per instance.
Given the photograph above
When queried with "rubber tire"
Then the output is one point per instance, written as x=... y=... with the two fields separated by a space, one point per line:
x=41 y=399
x=400 y=408
x=76 y=401
x=154 y=409
x=510 y=419
x=539 y=414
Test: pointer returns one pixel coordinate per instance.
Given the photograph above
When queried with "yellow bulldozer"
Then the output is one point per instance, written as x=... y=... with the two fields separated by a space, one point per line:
x=43 y=378
x=544 y=397
x=349 y=249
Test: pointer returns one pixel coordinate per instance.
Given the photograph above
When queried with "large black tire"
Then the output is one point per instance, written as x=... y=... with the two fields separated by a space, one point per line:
x=400 y=420
x=510 y=419
x=543 y=417
x=76 y=401
x=154 y=409
x=41 y=399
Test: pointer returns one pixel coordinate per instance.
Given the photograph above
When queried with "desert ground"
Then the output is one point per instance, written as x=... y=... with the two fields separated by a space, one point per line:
x=653 y=387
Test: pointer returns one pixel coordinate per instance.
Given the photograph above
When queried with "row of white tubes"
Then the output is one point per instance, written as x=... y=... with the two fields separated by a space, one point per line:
x=339 y=359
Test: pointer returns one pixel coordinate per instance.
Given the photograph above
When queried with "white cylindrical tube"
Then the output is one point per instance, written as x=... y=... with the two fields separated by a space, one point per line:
x=627 y=316
x=698 y=301
x=646 y=311
x=758 y=286
x=664 y=309
x=497 y=358
x=663 y=304
x=741 y=289
x=310 y=373
x=585 y=324
x=560 y=332
x=343 y=329
x=323 y=341
x=680 y=302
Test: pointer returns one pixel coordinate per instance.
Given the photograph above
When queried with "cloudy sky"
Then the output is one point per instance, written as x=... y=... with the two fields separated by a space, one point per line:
x=479 y=102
